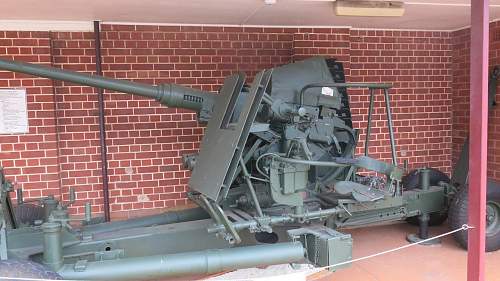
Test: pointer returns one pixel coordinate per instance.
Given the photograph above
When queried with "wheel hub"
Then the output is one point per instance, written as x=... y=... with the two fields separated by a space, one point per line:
x=492 y=218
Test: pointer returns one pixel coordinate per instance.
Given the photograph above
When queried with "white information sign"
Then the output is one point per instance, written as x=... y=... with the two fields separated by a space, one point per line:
x=327 y=91
x=13 y=111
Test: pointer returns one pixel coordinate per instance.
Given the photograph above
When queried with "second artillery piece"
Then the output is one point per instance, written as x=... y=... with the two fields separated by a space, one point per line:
x=275 y=177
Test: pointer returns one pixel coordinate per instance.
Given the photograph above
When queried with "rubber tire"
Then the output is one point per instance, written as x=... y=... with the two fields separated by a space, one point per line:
x=458 y=215
x=412 y=181
x=26 y=269
x=27 y=214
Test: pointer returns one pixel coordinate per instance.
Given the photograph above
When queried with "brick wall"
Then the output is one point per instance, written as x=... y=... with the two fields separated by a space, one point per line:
x=146 y=140
x=461 y=92
x=77 y=121
x=329 y=42
x=30 y=159
x=417 y=64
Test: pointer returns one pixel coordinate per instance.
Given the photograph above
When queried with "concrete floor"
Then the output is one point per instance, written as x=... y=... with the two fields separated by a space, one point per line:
x=443 y=262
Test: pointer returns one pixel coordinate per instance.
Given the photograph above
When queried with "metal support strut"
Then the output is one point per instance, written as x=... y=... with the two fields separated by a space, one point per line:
x=52 y=245
x=423 y=219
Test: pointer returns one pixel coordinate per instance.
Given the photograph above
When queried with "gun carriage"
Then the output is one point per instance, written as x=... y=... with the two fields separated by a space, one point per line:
x=275 y=178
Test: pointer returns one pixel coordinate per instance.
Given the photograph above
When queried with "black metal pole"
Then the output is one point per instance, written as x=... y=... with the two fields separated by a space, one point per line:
x=102 y=128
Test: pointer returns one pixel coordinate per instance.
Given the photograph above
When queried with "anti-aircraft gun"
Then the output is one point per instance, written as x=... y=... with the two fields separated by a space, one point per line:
x=275 y=177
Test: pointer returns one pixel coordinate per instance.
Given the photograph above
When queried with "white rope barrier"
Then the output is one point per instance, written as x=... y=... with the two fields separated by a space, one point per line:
x=463 y=228
x=302 y=275
x=30 y=279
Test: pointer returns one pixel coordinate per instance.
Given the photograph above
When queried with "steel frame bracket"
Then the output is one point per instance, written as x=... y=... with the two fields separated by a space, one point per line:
x=226 y=135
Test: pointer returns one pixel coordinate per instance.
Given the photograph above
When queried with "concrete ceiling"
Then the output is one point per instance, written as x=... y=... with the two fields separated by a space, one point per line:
x=419 y=14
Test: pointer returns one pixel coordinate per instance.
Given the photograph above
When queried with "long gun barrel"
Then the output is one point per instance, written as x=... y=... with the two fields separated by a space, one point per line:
x=171 y=95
